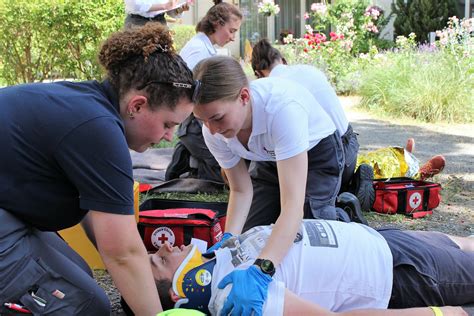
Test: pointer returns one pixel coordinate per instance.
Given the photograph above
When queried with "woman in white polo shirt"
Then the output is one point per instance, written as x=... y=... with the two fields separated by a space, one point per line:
x=296 y=153
x=217 y=27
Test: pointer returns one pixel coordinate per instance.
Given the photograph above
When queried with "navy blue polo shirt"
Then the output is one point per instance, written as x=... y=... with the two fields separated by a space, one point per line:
x=63 y=152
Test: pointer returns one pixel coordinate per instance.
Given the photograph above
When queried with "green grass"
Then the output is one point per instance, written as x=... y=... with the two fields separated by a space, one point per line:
x=165 y=144
x=428 y=87
x=199 y=197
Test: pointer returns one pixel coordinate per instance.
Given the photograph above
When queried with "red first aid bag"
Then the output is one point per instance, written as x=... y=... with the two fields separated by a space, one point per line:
x=407 y=196
x=178 y=226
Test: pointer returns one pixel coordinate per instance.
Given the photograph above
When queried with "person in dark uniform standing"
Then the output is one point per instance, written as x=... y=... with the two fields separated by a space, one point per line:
x=65 y=160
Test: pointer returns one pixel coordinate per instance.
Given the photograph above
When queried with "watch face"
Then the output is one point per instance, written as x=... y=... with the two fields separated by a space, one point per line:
x=267 y=266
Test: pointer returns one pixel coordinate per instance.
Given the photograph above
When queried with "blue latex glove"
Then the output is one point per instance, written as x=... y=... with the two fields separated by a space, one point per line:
x=249 y=291
x=218 y=244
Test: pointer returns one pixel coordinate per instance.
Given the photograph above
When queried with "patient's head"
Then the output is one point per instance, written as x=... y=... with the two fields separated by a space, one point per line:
x=164 y=263
x=167 y=260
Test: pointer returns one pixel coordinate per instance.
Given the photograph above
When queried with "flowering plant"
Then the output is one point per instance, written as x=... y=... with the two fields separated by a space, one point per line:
x=268 y=8
x=372 y=14
x=457 y=32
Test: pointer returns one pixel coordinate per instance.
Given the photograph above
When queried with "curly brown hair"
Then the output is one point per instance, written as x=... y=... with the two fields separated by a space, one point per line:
x=220 y=13
x=139 y=55
x=264 y=55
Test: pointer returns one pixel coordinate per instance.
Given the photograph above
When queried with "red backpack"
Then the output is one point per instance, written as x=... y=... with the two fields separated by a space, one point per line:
x=178 y=226
x=407 y=196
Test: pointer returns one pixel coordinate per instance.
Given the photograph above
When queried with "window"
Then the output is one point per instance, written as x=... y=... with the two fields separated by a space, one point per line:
x=254 y=25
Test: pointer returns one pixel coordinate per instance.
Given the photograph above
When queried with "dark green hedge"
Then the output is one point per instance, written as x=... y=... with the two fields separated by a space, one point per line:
x=50 y=39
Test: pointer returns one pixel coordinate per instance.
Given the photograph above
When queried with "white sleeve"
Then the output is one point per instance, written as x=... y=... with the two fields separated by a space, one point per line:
x=193 y=56
x=275 y=299
x=137 y=7
x=290 y=131
x=219 y=149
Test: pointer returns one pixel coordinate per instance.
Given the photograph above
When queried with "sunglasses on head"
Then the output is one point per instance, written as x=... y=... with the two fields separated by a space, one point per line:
x=196 y=86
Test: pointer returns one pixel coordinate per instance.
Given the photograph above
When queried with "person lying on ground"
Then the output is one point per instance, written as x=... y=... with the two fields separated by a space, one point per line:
x=332 y=266
x=393 y=161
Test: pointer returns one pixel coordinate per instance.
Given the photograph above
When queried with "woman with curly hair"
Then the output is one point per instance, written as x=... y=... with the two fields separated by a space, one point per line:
x=66 y=161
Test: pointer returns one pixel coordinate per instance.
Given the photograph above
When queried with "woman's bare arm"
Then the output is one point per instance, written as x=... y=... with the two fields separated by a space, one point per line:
x=240 y=197
x=292 y=174
x=126 y=259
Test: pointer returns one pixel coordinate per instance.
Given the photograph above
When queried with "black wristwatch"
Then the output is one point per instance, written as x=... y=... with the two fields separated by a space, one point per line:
x=266 y=266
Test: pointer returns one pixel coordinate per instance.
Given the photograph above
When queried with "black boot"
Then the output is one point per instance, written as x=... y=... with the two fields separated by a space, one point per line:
x=362 y=186
x=350 y=204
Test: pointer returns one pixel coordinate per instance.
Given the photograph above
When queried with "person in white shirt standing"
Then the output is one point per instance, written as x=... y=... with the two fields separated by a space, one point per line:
x=218 y=27
x=140 y=12
x=267 y=61
x=293 y=146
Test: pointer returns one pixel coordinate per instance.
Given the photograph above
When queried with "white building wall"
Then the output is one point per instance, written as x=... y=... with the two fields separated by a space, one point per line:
x=386 y=5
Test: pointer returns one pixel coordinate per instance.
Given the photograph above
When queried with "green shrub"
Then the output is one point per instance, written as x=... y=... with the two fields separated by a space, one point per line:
x=340 y=67
x=182 y=34
x=50 y=39
x=359 y=22
x=422 y=16
x=426 y=86
x=356 y=26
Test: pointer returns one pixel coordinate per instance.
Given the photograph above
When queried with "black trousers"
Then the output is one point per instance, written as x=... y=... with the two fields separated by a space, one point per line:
x=138 y=20
x=34 y=262
x=350 y=144
x=325 y=167
x=429 y=269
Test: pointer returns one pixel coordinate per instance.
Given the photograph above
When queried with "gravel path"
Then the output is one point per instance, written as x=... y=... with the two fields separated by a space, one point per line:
x=455 y=142
x=455 y=215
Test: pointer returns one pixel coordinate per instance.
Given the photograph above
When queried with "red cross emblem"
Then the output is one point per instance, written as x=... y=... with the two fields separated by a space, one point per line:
x=161 y=235
x=414 y=200
x=163 y=238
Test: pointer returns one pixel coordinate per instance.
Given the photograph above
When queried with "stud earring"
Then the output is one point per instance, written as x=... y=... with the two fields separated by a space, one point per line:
x=130 y=115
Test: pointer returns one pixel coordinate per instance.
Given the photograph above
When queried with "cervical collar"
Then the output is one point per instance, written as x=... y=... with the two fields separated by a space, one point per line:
x=192 y=282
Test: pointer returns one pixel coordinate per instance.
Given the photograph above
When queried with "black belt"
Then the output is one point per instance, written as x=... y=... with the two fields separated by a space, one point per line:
x=158 y=17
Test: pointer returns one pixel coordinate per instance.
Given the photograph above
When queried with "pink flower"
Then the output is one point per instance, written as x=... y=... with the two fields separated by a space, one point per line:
x=306 y=15
x=319 y=8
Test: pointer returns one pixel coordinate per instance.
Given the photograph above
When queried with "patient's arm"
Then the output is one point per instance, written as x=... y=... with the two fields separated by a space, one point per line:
x=295 y=305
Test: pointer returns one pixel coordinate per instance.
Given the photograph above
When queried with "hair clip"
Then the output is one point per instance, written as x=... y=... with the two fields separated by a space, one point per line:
x=197 y=90
x=163 y=49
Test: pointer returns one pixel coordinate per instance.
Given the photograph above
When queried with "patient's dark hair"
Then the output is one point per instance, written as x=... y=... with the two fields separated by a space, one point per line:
x=163 y=286
x=264 y=55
